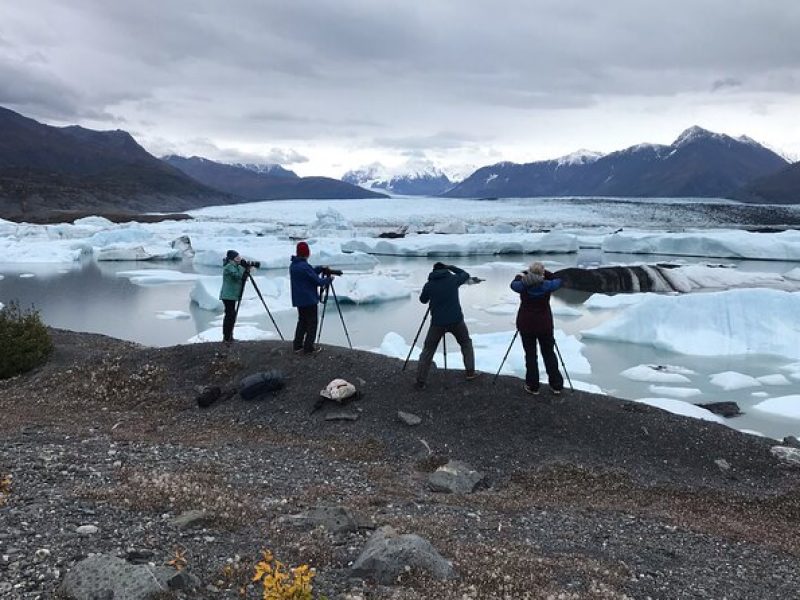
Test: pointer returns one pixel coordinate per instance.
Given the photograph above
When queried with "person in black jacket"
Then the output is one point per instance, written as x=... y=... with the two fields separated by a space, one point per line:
x=535 y=325
x=306 y=282
x=441 y=291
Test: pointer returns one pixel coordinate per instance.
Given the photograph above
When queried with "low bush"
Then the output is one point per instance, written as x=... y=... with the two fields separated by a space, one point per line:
x=24 y=340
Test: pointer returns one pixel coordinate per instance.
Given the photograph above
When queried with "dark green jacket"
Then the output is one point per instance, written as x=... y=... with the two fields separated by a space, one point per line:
x=442 y=292
x=231 y=281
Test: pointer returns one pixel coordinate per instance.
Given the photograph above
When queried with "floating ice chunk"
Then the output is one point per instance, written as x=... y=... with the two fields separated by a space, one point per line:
x=123 y=235
x=330 y=222
x=776 y=379
x=731 y=380
x=502 y=309
x=26 y=275
x=465 y=245
x=760 y=394
x=21 y=251
x=674 y=392
x=783 y=406
x=601 y=301
x=793 y=274
x=693 y=277
x=205 y=293
x=679 y=407
x=560 y=310
x=172 y=314
x=158 y=276
x=121 y=252
x=709 y=324
x=657 y=374
x=241 y=333
x=784 y=245
x=93 y=221
x=367 y=289
x=451 y=226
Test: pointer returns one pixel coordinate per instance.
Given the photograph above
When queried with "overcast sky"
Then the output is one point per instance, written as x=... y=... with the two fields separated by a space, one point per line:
x=322 y=87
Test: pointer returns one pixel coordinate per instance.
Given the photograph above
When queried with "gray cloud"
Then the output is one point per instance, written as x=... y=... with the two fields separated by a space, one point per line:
x=391 y=75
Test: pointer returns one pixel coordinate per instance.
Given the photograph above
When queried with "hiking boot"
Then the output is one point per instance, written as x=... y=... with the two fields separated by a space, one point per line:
x=471 y=375
x=556 y=392
x=530 y=390
x=419 y=385
x=316 y=350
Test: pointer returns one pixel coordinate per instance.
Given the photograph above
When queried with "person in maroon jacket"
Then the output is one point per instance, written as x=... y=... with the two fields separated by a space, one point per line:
x=535 y=325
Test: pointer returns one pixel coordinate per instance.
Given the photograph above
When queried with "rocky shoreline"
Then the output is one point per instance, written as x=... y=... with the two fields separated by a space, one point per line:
x=578 y=496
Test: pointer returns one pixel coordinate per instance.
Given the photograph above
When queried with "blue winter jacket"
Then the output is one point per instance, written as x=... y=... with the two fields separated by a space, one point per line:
x=442 y=292
x=306 y=281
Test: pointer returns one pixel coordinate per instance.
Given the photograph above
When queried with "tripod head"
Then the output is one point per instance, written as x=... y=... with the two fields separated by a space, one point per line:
x=327 y=271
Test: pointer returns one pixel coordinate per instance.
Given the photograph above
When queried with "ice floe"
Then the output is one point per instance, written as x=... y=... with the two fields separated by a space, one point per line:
x=679 y=407
x=658 y=374
x=674 y=392
x=731 y=380
x=783 y=406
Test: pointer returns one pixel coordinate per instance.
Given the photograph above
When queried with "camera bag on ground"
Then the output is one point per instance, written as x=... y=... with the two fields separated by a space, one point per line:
x=258 y=384
x=213 y=394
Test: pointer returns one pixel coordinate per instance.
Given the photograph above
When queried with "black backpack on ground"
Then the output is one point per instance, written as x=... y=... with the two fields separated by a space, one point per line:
x=258 y=384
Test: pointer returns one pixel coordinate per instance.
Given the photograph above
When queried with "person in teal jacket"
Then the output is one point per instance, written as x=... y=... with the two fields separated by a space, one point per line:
x=233 y=274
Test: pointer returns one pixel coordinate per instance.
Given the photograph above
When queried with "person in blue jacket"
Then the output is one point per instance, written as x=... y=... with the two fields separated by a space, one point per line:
x=535 y=325
x=441 y=291
x=306 y=281
x=232 y=281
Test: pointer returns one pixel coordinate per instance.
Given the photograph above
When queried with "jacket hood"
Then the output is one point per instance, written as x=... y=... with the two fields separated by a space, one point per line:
x=438 y=274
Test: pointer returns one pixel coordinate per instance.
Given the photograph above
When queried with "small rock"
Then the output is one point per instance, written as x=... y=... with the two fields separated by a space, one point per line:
x=87 y=529
x=722 y=464
x=189 y=518
x=182 y=580
x=409 y=419
x=42 y=554
x=342 y=415
x=455 y=477
x=336 y=519
x=791 y=441
x=787 y=454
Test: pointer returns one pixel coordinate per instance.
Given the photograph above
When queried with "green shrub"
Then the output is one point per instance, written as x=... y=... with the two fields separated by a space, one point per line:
x=24 y=341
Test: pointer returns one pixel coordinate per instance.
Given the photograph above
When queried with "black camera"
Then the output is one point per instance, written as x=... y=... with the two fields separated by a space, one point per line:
x=253 y=263
x=327 y=271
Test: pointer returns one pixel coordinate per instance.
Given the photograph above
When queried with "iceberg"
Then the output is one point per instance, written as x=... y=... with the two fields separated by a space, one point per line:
x=783 y=406
x=123 y=252
x=685 y=409
x=674 y=392
x=731 y=380
x=157 y=276
x=752 y=321
x=784 y=245
x=657 y=374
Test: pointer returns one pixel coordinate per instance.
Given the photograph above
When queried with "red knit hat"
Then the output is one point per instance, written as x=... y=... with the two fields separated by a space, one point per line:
x=303 y=250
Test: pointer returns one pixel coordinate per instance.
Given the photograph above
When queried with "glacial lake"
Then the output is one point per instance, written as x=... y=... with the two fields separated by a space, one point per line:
x=90 y=296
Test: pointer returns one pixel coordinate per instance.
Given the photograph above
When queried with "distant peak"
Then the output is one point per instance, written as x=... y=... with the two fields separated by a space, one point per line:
x=694 y=132
x=579 y=157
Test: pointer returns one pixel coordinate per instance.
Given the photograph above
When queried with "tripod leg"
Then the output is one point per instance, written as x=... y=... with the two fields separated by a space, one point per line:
x=258 y=291
x=514 y=339
x=322 y=318
x=341 y=316
x=444 y=350
x=563 y=366
x=416 y=337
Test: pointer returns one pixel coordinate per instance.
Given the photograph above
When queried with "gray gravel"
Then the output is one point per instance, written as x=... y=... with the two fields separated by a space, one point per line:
x=585 y=496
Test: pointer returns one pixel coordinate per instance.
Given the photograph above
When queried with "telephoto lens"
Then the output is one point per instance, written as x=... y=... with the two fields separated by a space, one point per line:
x=253 y=263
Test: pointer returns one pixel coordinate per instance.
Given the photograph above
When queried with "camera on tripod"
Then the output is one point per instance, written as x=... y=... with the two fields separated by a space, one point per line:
x=247 y=264
x=327 y=271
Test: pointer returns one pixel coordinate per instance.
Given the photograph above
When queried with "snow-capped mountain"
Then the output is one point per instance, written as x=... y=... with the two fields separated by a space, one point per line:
x=414 y=178
x=267 y=169
x=699 y=163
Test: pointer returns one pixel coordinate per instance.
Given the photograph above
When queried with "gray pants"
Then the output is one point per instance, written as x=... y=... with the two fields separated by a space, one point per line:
x=435 y=334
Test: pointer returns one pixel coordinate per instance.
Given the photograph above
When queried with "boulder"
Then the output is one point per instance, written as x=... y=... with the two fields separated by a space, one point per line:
x=343 y=415
x=335 y=519
x=104 y=576
x=409 y=419
x=455 y=477
x=189 y=518
x=387 y=555
x=723 y=409
x=791 y=441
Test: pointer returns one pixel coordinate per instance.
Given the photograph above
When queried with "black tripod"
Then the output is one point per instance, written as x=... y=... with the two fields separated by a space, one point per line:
x=416 y=337
x=245 y=277
x=514 y=339
x=324 y=297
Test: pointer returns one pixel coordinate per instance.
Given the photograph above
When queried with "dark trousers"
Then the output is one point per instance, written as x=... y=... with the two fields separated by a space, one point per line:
x=435 y=334
x=306 y=330
x=229 y=320
x=547 y=343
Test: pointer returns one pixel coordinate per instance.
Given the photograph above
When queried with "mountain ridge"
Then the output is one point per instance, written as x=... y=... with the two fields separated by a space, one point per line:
x=699 y=163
